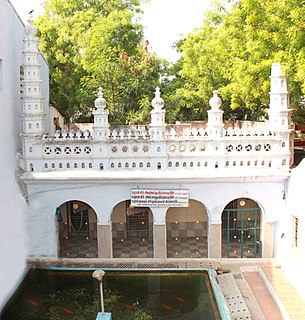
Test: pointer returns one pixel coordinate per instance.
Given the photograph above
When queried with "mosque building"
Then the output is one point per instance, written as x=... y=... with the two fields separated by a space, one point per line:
x=206 y=190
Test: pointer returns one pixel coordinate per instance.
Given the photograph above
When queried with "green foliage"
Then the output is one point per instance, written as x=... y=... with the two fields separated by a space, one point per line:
x=97 y=43
x=233 y=52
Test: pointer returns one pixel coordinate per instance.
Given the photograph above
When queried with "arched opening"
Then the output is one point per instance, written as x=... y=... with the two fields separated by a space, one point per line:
x=187 y=231
x=241 y=229
x=77 y=230
x=132 y=231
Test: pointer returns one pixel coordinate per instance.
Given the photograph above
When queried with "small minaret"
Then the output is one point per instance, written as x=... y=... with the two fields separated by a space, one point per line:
x=279 y=111
x=215 y=117
x=157 y=125
x=100 y=127
x=32 y=113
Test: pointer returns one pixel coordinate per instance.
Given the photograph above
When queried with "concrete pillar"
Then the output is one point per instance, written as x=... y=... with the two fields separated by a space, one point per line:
x=104 y=240
x=160 y=246
x=268 y=241
x=215 y=240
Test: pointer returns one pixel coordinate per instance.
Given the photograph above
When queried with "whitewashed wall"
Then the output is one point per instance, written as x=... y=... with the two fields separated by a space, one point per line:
x=49 y=191
x=13 y=249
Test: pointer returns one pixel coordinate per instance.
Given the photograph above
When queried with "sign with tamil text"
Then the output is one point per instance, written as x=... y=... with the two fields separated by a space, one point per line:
x=159 y=198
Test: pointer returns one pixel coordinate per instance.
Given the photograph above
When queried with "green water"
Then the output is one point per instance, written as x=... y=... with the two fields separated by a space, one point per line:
x=53 y=295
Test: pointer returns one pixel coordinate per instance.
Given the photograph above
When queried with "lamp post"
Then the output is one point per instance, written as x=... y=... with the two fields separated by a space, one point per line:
x=98 y=274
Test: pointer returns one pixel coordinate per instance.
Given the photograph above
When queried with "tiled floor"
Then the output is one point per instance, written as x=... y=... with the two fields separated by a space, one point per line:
x=288 y=295
x=78 y=247
x=191 y=247
x=134 y=247
x=137 y=247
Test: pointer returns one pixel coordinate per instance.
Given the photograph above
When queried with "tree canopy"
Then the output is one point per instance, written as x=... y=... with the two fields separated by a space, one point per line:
x=96 y=43
x=233 y=51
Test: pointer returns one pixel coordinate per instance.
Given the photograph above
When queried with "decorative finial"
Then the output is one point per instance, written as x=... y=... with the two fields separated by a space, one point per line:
x=157 y=102
x=215 y=101
x=100 y=102
x=30 y=29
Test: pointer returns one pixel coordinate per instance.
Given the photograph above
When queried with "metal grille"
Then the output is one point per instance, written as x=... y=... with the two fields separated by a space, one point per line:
x=241 y=233
x=137 y=224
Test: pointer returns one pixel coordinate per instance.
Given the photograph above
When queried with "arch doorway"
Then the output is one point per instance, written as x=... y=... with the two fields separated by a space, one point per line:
x=132 y=231
x=241 y=229
x=187 y=231
x=77 y=230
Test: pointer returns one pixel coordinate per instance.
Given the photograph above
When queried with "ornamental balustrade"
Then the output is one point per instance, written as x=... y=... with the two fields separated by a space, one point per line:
x=156 y=146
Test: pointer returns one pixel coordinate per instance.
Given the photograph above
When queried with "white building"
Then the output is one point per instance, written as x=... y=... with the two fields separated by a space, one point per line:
x=153 y=188
x=196 y=190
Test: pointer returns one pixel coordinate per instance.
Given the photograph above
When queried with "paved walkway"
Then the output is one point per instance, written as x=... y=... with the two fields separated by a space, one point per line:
x=287 y=294
x=265 y=300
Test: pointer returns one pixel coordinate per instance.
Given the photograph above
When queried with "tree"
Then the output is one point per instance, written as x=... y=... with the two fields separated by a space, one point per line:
x=233 y=52
x=97 y=43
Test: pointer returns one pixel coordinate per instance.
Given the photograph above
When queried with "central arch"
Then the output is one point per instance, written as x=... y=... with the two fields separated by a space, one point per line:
x=132 y=231
x=187 y=231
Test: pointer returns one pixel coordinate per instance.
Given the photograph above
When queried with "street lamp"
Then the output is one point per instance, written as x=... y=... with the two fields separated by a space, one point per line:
x=98 y=274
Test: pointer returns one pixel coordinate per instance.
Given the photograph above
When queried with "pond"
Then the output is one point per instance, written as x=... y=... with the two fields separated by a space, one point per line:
x=133 y=295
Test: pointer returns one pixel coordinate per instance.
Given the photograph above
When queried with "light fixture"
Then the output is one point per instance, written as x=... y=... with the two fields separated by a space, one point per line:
x=75 y=206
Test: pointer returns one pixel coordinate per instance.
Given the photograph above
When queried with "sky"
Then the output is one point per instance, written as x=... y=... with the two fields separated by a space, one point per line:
x=165 y=21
